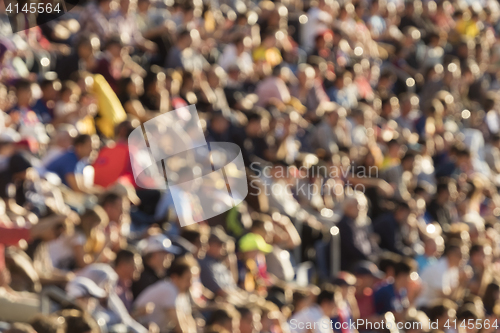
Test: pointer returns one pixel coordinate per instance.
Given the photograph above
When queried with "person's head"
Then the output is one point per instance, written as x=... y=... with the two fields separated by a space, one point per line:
x=216 y=243
x=223 y=318
x=269 y=38
x=49 y=92
x=332 y=115
x=495 y=140
x=478 y=255
x=79 y=322
x=254 y=125
x=91 y=220
x=263 y=228
x=491 y=296
x=23 y=92
x=366 y=273
x=85 y=293
x=157 y=253
x=112 y=204
x=443 y=192
x=402 y=212
x=351 y=207
x=104 y=6
x=84 y=48
x=123 y=130
x=114 y=47
x=249 y=320
x=194 y=237
x=184 y=40
x=388 y=263
x=180 y=273
x=48 y=324
x=219 y=123
x=64 y=136
x=393 y=148
x=453 y=253
x=128 y=264
x=442 y=311
x=430 y=247
x=326 y=300
x=405 y=104
x=408 y=161
x=402 y=271
x=82 y=145
x=465 y=314
x=143 y=6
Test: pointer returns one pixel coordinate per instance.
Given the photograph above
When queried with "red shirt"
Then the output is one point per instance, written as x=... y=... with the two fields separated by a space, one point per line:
x=8 y=237
x=366 y=304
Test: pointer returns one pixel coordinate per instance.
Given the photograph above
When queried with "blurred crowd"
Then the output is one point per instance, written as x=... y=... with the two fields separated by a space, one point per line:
x=370 y=133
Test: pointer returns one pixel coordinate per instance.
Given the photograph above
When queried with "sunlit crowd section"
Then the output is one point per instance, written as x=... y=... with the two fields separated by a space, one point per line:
x=361 y=194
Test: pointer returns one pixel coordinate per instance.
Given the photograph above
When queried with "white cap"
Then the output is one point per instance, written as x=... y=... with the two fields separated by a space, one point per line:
x=9 y=135
x=84 y=287
x=157 y=243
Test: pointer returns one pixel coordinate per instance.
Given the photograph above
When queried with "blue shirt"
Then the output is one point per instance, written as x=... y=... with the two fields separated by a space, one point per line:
x=43 y=112
x=67 y=163
x=388 y=299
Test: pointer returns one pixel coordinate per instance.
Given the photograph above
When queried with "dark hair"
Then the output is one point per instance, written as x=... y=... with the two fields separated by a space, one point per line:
x=123 y=84
x=437 y=311
x=183 y=34
x=83 y=41
x=388 y=261
x=408 y=155
x=191 y=236
x=489 y=298
x=81 y=139
x=475 y=248
x=47 y=324
x=112 y=41
x=402 y=268
x=46 y=83
x=124 y=256
x=219 y=316
x=246 y=310
x=109 y=198
x=22 y=84
x=402 y=205
x=79 y=322
x=178 y=268
x=327 y=294
x=453 y=246
x=467 y=311
x=258 y=224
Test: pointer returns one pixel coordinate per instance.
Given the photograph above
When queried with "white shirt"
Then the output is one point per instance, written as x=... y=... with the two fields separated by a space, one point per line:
x=438 y=279
x=165 y=295
x=311 y=318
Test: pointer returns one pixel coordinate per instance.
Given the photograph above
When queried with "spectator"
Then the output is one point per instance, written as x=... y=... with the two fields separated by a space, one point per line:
x=174 y=57
x=316 y=317
x=69 y=166
x=355 y=245
x=388 y=229
x=128 y=267
x=170 y=296
x=445 y=277
x=393 y=296
x=214 y=275
x=157 y=254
